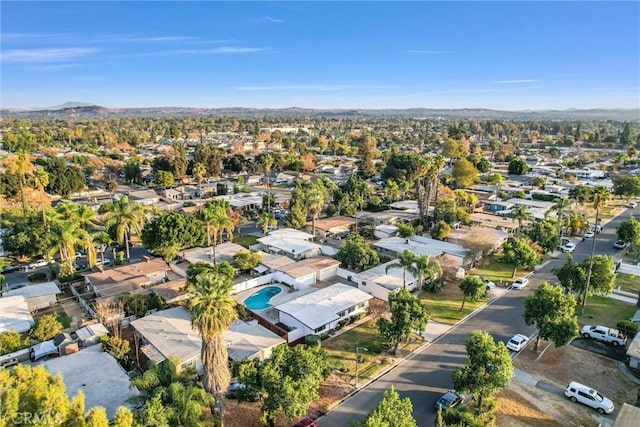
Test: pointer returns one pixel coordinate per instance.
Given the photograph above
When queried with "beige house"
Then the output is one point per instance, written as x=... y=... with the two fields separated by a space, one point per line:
x=37 y=296
x=130 y=278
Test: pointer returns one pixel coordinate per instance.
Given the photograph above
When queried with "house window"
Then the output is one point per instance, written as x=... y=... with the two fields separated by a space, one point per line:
x=342 y=313
x=321 y=328
x=361 y=305
x=351 y=310
x=364 y=283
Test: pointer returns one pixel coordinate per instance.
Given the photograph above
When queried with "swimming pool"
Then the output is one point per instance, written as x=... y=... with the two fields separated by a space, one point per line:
x=260 y=300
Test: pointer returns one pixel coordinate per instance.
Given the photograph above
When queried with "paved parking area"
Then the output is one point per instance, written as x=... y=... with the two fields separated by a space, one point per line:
x=602 y=348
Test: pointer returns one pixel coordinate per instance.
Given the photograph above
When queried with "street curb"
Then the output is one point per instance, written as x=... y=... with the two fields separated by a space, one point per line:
x=413 y=354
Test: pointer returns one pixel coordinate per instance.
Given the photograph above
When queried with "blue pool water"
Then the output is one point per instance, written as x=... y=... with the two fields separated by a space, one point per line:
x=260 y=300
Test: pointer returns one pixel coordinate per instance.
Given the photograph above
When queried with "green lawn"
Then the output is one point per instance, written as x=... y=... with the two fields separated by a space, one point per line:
x=246 y=241
x=446 y=308
x=628 y=282
x=605 y=311
x=495 y=270
x=342 y=350
x=64 y=319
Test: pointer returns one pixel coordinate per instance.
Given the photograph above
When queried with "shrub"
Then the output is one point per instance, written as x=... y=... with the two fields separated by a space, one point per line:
x=39 y=276
x=627 y=327
x=433 y=286
x=46 y=327
x=343 y=323
x=312 y=340
x=356 y=317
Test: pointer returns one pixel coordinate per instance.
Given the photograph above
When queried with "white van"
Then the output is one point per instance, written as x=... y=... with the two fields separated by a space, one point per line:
x=586 y=395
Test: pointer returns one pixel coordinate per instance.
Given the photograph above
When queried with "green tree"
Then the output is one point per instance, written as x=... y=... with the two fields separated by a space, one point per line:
x=405 y=230
x=213 y=310
x=315 y=202
x=132 y=172
x=64 y=179
x=599 y=198
x=519 y=254
x=441 y=230
x=629 y=231
x=473 y=288
x=488 y=368
x=367 y=150
x=356 y=254
x=116 y=346
x=572 y=276
x=544 y=233
x=266 y=220
x=408 y=314
x=446 y=210
x=24 y=235
x=165 y=179
x=553 y=313
x=426 y=269
x=153 y=413
x=126 y=217
x=123 y=417
x=11 y=341
x=46 y=328
x=626 y=186
x=603 y=276
x=287 y=382
x=172 y=229
x=406 y=261
x=246 y=260
x=518 y=166
x=521 y=213
x=40 y=180
x=97 y=417
x=464 y=173
x=297 y=217
x=391 y=412
x=22 y=167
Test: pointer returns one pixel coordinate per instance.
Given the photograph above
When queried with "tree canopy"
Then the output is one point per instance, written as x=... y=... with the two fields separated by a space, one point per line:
x=518 y=166
x=356 y=254
x=473 y=288
x=172 y=229
x=408 y=314
x=519 y=254
x=390 y=412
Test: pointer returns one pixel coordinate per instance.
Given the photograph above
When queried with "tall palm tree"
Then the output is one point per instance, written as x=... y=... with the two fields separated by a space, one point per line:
x=427 y=269
x=212 y=312
x=315 y=203
x=199 y=171
x=40 y=181
x=85 y=216
x=65 y=237
x=103 y=240
x=217 y=221
x=126 y=216
x=21 y=166
x=521 y=213
x=599 y=198
x=267 y=161
x=406 y=261
x=266 y=220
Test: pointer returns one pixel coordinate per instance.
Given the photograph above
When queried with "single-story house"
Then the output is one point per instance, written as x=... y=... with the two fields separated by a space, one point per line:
x=332 y=226
x=383 y=231
x=391 y=217
x=37 y=296
x=321 y=311
x=169 y=333
x=284 y=178
x=90 y=334
x=499 y=206
x=325 y=267
x=292 y=247
x=271 y=262
x=291 y=233
x=633 y=352
x=98 y=375
x=171 y=292
x=462 y=236
x=15 y=314
x=144 y=197
x=503 y=223
x=132 y=278
x=537 y=208
x=380 y=283
x=308 y=271
x=421 y=245
x=223 y=252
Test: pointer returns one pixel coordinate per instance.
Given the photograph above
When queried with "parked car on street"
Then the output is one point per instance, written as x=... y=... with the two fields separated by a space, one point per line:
x=39 y=263
x=517 y=342
x=11 y=268
x=589 y=234
x=489 y=283
x=568 y=247
x=632 y=205
x=450 y=399
x=620 y=244
x=586 y=395
x=107 y=261
x=520 y=283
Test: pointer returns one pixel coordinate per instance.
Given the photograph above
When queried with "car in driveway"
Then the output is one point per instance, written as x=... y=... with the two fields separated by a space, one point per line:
x=520 y=283
x=11 y=268
x=489 y=283
x=517 y=342
x=586 y=395
x=450 y=399
x=620 y=244
x=568 y=247
x=39 y=263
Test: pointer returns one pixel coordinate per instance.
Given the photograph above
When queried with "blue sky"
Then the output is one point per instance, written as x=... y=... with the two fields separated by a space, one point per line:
x=500 y=55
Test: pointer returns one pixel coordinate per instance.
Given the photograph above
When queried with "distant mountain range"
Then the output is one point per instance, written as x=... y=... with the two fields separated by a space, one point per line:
x=80 y=110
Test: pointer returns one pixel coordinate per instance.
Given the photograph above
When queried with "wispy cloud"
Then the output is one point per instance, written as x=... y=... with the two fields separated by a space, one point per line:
x=512 y=82
x=312 y=87
x=426 y=52
x=46 y=54
x=266 y=20
x=158 y=39
x=222 y=50
x=55 y=67
x=34 y=37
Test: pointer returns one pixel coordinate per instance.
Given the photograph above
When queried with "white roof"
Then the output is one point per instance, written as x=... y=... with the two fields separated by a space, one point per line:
x=532 y=203
x=89 y=331
x=420 y=245
x=291 y=233
x=38 y=290
x=322 y=306
x=391 y=280
x=224 y=252
x=171 y=335
x=14 y=314
x=387 y=228
x=292 y=246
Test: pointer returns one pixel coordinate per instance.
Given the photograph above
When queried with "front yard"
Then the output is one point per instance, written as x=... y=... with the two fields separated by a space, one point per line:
x=628 y=282
x=497 y=271
x=605 y=311
x=246 y=241
x=444 y=306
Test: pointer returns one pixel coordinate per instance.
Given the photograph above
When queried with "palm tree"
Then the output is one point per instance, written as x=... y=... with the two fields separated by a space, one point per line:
x=199 y=171
x=67 y=236
x=439 y=163
x=40 y=181
x=521 y=213
x=315 y=203
x=126 y=216
x=101 y=238
x=406 y=261
x=267 y=161
x=85 y=216
x=599 y=197
x=212 y=312
x=266 y=220
x=21 y=166
x=187 y=401
x=427 y=269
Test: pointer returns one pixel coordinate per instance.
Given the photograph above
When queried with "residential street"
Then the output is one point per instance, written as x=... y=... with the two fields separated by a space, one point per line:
x=427 y=374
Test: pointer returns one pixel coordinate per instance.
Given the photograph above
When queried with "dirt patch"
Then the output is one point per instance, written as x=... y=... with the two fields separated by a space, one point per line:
x=524 y=405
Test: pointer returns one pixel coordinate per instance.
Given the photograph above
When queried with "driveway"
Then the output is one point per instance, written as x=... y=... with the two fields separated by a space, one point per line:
x=617 y=353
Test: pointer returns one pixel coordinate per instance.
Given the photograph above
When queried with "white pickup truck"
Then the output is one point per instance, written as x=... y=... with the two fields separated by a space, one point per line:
x=602 y=333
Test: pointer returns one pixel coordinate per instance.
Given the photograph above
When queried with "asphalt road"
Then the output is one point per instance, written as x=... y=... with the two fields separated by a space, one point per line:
x=426 y=375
